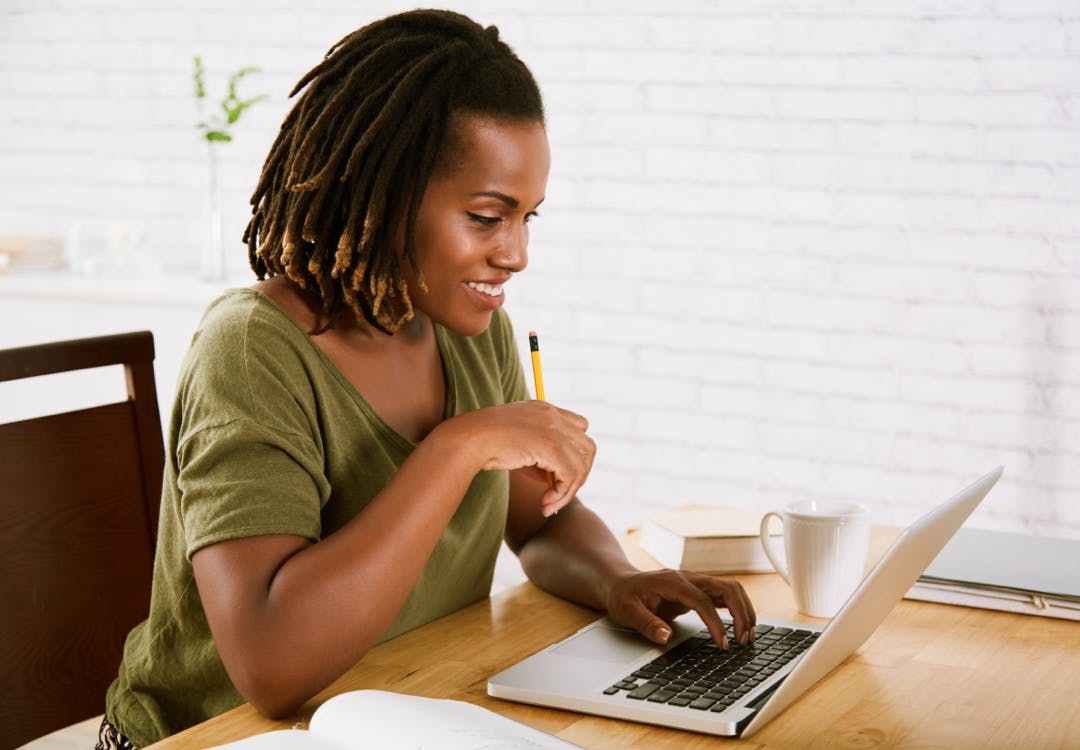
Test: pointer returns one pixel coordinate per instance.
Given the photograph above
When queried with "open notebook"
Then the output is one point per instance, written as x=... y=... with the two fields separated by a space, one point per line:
x=379 y=719
x=609 y=670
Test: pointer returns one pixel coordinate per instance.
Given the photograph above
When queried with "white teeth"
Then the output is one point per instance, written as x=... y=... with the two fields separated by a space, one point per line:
x=491 y=290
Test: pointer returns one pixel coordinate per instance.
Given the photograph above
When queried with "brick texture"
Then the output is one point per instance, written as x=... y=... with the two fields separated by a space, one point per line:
x=791 y=248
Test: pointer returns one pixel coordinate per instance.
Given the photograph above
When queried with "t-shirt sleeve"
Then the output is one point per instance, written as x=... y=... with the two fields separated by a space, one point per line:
x=249 y=459
x=245 y=479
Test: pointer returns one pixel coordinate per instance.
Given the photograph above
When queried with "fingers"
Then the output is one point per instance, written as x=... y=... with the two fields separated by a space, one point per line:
x=645 y=621
x=729 y=594
x=572 y=455
x=647 y=601
x=692 y=597
x=657 y=591
x=576 y=420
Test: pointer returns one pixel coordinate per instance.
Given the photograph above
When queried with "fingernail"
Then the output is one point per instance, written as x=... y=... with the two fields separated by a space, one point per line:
x=663 y=634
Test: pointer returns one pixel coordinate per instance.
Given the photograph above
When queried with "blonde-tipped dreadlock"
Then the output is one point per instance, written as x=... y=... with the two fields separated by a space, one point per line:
x=355 y=154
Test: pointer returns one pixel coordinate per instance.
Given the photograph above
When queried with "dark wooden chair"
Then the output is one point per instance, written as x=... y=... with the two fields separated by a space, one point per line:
x=79 y=496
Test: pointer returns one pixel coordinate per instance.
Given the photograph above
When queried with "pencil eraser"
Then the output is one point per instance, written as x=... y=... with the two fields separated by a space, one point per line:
x=532 y=333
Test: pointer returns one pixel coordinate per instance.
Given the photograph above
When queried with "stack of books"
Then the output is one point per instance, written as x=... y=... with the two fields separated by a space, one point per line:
x=1005 y=571
x=709 y=540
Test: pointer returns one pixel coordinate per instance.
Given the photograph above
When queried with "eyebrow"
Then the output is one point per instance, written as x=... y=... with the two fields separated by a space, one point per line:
x=509 y=200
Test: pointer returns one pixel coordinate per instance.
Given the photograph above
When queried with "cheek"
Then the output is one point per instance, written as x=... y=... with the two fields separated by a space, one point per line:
x=446 y=244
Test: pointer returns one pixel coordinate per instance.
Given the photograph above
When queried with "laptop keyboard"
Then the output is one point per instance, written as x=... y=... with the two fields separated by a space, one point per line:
x=698 y=675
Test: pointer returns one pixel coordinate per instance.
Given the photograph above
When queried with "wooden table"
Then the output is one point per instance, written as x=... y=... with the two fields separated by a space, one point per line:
x=931 y=676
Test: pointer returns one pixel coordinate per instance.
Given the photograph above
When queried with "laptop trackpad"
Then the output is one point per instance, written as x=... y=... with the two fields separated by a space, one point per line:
x=606 y=644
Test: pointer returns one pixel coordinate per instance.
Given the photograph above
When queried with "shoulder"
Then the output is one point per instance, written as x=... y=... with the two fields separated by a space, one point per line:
x=245 y=355
x=238 y=317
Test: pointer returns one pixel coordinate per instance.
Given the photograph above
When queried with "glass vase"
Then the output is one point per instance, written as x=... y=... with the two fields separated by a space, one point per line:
x=212 y=267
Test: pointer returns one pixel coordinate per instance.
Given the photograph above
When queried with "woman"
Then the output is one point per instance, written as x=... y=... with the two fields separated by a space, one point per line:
x=351 y=439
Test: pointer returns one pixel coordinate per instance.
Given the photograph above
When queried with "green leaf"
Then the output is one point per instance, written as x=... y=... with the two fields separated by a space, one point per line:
x=232 y=106
x=200 y=88
x=245 y=71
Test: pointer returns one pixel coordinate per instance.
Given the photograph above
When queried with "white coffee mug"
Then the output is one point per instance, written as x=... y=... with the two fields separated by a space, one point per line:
x=826 y=544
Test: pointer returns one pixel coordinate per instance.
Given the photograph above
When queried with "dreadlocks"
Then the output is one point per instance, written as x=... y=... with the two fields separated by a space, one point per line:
x=356 y=151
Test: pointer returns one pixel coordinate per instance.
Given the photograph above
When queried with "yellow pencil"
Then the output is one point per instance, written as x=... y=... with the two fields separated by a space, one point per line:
x=538 y=381
x=538 y=373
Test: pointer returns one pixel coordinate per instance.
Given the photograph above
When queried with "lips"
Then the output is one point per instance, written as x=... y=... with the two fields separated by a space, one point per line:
x=491 y=290
x=486 y=294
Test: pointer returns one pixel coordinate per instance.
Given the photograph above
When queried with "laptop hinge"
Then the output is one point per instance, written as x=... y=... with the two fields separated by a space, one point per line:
x=755 y=705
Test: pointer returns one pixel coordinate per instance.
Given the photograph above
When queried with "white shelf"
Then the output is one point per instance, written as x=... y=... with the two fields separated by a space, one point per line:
x=157 y=292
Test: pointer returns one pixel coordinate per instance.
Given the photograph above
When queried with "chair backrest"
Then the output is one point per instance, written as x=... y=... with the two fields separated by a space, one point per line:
x=79 y=497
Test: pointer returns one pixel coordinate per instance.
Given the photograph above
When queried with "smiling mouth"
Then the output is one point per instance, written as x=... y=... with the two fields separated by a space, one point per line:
x=491 y=290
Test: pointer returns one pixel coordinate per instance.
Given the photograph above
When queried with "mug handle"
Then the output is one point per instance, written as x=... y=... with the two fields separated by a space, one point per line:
x=765 y=545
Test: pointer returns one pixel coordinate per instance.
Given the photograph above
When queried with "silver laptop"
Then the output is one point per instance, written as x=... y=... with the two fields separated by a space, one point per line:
x=689 y=683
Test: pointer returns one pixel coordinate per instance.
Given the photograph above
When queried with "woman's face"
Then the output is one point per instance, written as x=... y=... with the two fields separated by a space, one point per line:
x=472 y=228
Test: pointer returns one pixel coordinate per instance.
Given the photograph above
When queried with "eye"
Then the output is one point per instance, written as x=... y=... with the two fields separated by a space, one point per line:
x=530 y=216
x=487 y=221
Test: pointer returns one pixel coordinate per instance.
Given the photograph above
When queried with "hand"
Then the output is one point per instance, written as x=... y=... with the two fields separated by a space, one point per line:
x=649 y=601
x=531 y=433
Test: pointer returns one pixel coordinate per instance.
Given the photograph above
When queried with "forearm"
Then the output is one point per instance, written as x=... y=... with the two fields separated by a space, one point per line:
x=328 y=603
x=575 y=556
x=288 y=617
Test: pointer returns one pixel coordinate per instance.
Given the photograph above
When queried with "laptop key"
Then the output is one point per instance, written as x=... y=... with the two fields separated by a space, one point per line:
x=641 y=692
x=673 y=655
x=612 y=690
x=696 y=674
x=662 y=696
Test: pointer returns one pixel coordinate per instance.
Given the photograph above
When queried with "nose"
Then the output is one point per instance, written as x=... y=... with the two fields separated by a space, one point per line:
x=513 y=254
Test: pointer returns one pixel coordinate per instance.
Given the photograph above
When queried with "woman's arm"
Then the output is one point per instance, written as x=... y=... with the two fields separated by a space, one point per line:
x=288 y=616
x=573 y=555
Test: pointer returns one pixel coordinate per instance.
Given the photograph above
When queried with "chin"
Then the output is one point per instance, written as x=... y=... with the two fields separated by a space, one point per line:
x=474 y=325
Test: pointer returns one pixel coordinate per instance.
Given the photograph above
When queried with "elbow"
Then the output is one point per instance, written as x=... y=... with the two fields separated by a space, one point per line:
x=274 y=709
x=278 y=686
x=272 y=696
x=275 y=687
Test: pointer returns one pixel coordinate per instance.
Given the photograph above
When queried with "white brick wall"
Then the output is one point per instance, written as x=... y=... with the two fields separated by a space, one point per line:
x=791 y=247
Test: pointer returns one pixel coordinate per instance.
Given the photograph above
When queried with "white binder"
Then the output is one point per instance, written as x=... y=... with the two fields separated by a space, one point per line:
x=1005 y=571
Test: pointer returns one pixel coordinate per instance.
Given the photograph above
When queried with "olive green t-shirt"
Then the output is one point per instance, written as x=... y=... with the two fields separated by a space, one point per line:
x=267 y=436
